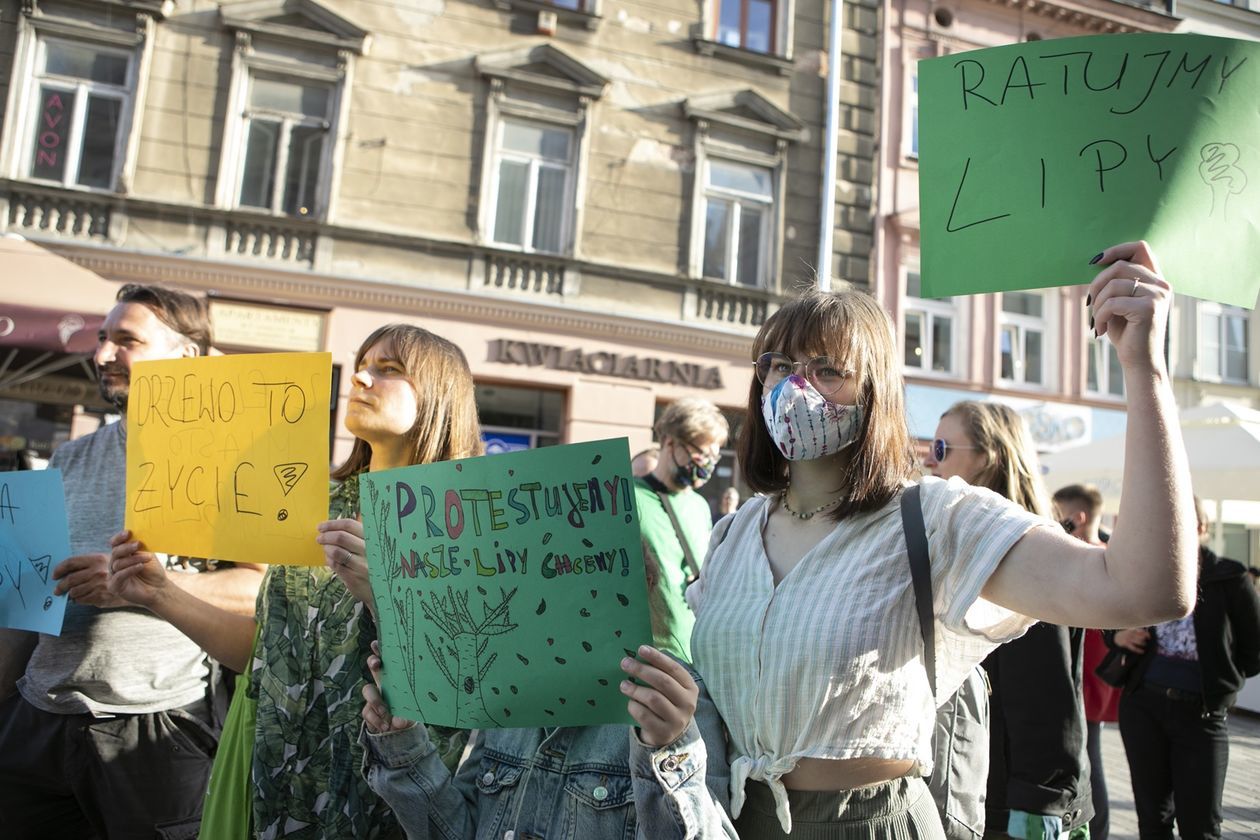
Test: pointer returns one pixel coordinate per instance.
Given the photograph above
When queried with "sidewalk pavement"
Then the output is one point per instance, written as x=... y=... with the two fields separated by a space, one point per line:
x=1242 y=782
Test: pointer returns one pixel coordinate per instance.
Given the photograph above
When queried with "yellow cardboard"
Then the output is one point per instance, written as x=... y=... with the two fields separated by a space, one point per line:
x=227 y=456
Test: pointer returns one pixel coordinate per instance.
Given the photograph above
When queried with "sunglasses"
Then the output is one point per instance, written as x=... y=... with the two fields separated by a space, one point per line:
x=827 y=377
x=941 y=448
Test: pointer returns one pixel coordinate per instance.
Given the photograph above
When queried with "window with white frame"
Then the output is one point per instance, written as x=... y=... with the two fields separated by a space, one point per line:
x=1223 y=342
x=1103 y=375
x=533 y=191
x=79 y=110
x=1022 y=333
x=928 y=334
x=285 y=139
x=738 y=219
x=912 y=113
x=747 y=24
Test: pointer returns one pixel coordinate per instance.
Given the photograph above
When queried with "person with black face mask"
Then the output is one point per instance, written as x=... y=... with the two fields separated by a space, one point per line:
x=674 y=519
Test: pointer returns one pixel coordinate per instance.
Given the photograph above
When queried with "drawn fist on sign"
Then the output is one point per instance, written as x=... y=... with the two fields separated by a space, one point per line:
x=1220 y=172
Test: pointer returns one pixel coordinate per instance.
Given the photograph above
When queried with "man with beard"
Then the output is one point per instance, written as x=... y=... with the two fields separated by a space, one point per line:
x=111 y=732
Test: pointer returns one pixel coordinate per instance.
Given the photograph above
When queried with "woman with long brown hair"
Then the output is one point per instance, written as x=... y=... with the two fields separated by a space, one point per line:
x=411 y=402
x=1039 y=769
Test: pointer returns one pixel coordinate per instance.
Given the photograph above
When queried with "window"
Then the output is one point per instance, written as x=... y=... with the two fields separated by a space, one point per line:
x=286 y=126
x=929 y=330
x=738 y=212
x=288 y=96
x=747 y=24
x=534 y=196
x=81 y=105
x=1104 y=375
x=1022 y=337
x=912 y=114
x=1223 y=342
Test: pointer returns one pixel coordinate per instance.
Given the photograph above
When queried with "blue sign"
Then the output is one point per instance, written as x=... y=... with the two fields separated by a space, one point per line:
x=34 y=537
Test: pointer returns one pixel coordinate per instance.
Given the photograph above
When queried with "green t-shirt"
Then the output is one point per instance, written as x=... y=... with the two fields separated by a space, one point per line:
x=672 y=619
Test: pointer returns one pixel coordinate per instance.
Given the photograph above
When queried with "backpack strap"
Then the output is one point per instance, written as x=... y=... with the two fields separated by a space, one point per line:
x=920 y=576
x=692 y=566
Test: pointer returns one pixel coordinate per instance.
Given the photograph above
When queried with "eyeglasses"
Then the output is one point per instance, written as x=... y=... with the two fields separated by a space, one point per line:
x=826 y=375
x=708 y=457
x=941 y=448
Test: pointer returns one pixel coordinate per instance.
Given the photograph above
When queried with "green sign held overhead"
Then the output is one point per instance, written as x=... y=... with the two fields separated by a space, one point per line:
x=508 y=587
x=1036 y=156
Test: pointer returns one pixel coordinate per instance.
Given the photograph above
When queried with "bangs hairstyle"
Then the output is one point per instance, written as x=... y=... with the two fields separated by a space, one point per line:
x=1011 y=467
x=857 y=334
x=446 y=424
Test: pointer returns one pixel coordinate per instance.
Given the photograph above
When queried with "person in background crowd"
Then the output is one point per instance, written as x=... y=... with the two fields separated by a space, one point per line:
x=644 y=462
x=1038 y=762
x=411 y=402
x=112 y=732
x=674 y=519
x=727 y=503
x=1173 y=722
x=806 y=630
x=1079 y=510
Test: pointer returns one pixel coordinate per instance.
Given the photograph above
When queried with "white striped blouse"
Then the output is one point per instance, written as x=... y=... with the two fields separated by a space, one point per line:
x=828 y=664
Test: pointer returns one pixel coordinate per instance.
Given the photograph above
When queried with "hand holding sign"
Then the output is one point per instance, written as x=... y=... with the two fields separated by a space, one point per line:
x=34 y=535
x=1031 y=153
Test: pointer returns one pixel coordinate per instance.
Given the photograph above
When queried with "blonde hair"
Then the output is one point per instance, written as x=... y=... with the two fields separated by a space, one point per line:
x=446 y=424
x=853 y=330
x=1010 y=466
x=690 y=419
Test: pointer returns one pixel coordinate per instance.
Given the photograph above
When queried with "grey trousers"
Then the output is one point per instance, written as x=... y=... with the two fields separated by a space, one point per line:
x=901 y=809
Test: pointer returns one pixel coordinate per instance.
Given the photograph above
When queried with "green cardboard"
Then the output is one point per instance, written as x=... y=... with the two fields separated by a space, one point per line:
x=509 y=587
x=1036 y=156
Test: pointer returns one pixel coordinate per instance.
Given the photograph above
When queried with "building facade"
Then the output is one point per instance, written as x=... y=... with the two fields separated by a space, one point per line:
x=599 y=201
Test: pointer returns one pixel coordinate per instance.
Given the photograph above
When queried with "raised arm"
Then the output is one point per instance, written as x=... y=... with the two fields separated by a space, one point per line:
x=1146 y=573
x=139 y=578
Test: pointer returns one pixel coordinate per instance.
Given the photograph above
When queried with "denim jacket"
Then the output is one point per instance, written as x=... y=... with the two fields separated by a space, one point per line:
x=575 y=783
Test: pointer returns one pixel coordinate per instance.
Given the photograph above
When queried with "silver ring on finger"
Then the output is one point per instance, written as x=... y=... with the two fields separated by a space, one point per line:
x=345 y=557
x=1136 y=283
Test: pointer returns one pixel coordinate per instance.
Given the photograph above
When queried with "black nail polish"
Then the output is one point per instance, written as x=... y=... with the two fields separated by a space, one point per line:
x=1096 y=258
x=1089 y=299
x=1091 y=322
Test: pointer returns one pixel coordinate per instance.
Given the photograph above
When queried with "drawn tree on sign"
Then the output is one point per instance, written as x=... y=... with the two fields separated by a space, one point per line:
x=462 y=655
x=404 y=607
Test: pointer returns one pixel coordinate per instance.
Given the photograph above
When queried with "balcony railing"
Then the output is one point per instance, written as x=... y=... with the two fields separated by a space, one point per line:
x=728 y=305
x=525 y=274
x=271 y=241
x=72 y=217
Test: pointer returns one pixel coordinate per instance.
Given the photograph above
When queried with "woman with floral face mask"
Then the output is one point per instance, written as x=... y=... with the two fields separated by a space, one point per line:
x=806 y=632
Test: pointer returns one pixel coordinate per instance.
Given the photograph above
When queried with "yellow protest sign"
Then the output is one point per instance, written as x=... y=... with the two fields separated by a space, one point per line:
x=227 y=456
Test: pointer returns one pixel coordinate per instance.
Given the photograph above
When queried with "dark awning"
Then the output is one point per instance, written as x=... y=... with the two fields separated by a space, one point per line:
x=48 y=329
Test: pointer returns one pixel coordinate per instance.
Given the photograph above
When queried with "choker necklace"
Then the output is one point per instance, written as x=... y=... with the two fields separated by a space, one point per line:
x=809 y=514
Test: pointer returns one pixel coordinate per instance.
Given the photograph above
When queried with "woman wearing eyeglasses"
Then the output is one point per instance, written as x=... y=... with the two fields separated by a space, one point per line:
x=1039 y=779
x=806 y=634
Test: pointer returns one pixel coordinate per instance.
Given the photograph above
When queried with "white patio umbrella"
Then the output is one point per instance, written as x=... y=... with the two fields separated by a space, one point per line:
x=1222 y=444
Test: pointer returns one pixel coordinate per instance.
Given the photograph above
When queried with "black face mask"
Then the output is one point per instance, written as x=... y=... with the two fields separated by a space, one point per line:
x=692 y=475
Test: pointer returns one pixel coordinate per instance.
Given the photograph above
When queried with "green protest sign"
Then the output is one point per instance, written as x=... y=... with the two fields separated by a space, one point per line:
x=1035 y=156
x=508 y=587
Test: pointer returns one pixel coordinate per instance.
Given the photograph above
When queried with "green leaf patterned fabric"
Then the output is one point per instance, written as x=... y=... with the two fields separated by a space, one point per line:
x=309 y=669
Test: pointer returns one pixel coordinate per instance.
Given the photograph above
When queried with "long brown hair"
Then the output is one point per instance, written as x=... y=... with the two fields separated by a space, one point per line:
x=852 y=329
x=446 y=424
x=1011 y=467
